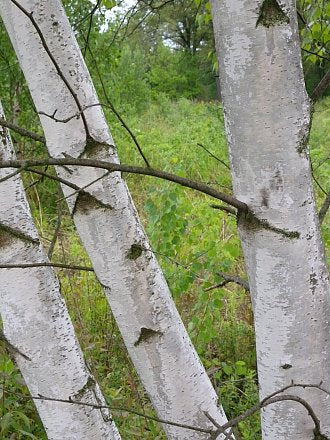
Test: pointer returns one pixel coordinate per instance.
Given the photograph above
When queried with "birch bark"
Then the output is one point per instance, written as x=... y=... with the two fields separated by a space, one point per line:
x=37 y=323
x=108 y=225
x=267 y=114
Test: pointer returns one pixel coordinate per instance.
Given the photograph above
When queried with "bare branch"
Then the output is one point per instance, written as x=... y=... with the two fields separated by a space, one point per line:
x=216 y=286
x=10 y=347
x=51 y=176
x=324 y=208
x=225 y=209
x=59 y=265
x=22 y=131
x=90 y=24
x=112 y=167
x=57 y=228
x=225 y=429
x=229 y=279
x=315 y=53
x=13 y=174
x=84 y=187
x=234 y=279
x=110 y=407
x=321 y=87
x=228 y=435
x=269 y=401
x=37 y=181
x=69 y=118
x=214 y=156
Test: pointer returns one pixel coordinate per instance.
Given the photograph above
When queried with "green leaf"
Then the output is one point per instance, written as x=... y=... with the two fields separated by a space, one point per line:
x=227 y=369
x=6 y=422
x=109 y=4
x=27 y=434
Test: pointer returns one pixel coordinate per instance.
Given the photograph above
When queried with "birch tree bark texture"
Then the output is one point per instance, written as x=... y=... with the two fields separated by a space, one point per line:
x=267 y=115
x=38 y=326
x=107 y=221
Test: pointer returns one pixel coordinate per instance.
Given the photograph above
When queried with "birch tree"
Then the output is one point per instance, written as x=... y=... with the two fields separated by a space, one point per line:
x=106 y=219
x=37 y=325
x=267 y=115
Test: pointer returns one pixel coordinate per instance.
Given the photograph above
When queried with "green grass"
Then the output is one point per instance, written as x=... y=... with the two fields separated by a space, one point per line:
x=192 y=241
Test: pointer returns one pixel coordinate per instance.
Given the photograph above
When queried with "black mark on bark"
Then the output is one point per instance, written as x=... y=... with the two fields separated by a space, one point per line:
x=264 y=197
x=146 y=334
x=7 y=234
x=134 y=252
x=271 y=14
x=286 y=366
x=85 y=202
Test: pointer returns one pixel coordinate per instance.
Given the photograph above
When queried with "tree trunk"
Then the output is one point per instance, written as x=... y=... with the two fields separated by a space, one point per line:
x=108 y=225
x=37 y=324
x=267 y=114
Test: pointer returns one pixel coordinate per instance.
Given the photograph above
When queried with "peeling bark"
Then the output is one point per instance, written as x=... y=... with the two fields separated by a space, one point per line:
x=267 y=116
x=37 y=324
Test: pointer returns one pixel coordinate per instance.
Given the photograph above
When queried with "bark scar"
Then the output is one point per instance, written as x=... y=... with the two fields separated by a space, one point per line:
x=7 y=233
x=286 y=366
x=146 y=334
x=135 y=251
x=250 y=221
x=271 y=14
x=89 y=385
x=85 y=202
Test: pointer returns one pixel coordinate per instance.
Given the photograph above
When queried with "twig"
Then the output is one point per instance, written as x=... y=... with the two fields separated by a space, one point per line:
x=234 y=279
x=228 y=435
x=22 y=131
x=324 y=208
x=229 y=279
x=216 y=286
x=37 y=181
x=316 y=181
x=214 y=156
x=321 y=87
x=69 y=118
x=315 y=53
x=9 y=176
x=110 y=407
x=269 y=401
x=83 y=187
x=90 y=24
x=53 y=177
x=275 y=397
x=57 y=229
x=60 y=265
x=11 y=348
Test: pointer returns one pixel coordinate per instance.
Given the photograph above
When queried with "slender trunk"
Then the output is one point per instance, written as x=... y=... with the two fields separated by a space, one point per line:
x=37 y=324
x=267 y=115
x=108 y=225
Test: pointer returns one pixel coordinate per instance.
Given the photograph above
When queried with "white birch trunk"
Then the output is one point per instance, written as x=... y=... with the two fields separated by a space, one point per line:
x=108 y=225
x=267 y=114
x=36 y=322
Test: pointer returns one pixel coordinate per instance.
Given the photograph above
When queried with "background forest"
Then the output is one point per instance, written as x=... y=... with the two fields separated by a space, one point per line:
x=153 y=64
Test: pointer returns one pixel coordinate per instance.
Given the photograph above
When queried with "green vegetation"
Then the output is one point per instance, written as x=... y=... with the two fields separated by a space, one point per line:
x=166 y=97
